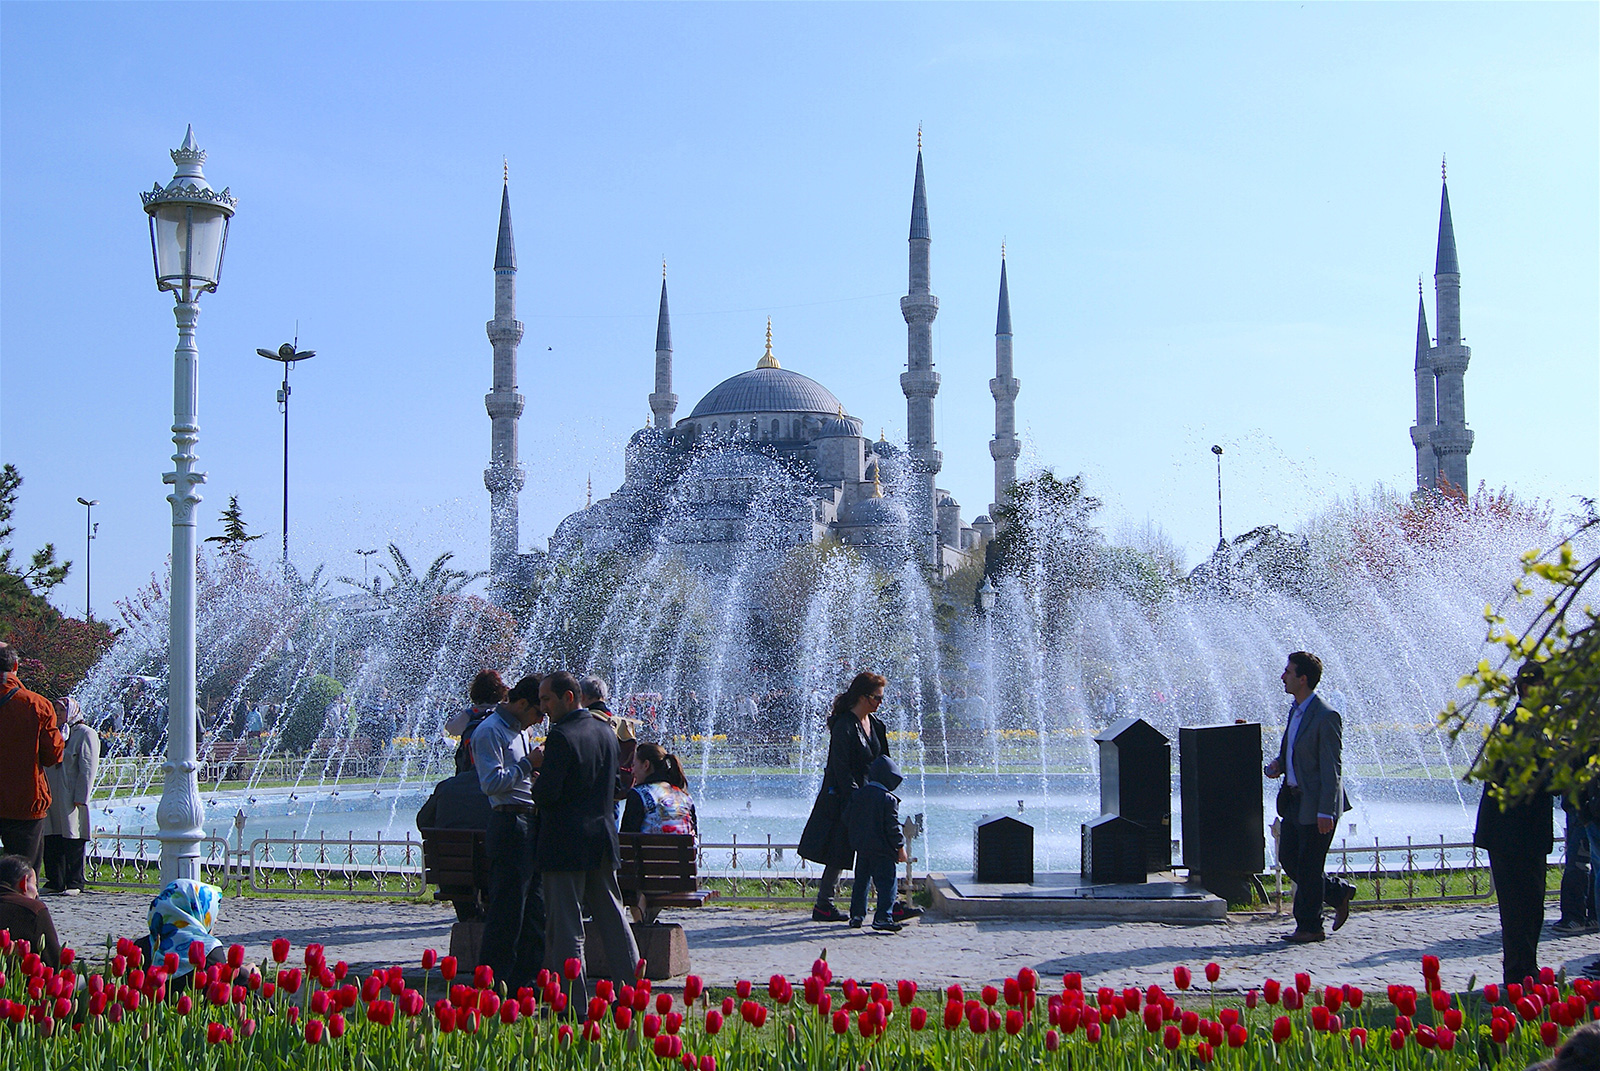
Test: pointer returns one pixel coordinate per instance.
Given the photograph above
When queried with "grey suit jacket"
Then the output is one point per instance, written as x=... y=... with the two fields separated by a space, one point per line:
x=1318 y=762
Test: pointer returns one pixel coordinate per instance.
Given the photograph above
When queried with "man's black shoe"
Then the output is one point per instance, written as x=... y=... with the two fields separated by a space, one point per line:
x=903 y=911
x=827 y=914
x=1341 y=910
x=1305 y=937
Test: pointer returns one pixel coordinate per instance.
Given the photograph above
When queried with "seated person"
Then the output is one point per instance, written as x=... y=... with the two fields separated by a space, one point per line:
x=659 y=801
x=23 y=913
x=457 y=803
x=181 y=914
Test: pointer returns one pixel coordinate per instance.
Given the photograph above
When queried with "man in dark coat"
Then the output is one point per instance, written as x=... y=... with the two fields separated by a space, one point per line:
x=578 y=851
x=458 y=803
x=1311 y=800
x=1518 y=840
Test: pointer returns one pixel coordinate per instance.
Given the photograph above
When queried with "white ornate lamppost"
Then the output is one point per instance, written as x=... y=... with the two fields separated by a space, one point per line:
x=188 y=233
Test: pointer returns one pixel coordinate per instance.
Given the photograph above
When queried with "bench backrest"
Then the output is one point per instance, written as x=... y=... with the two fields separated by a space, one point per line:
x=657 y=863
x=454 y=857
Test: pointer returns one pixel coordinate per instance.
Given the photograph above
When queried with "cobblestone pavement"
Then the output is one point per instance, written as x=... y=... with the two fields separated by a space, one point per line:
x=725 y=943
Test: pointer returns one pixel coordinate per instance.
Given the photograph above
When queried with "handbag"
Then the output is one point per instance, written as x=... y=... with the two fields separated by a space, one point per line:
x=1288 y=802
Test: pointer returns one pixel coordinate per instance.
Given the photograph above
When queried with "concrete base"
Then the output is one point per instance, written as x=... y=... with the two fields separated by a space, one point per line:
x=662 y=945
x=1161 y=899
x=465 y=940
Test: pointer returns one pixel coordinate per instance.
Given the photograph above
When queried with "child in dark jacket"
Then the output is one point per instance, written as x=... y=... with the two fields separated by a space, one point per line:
x=873 y=819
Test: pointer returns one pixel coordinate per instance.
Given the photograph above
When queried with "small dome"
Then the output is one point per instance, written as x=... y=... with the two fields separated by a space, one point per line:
x=947 y=501
x=983 y=518
x=874 y=513
x=841 y=427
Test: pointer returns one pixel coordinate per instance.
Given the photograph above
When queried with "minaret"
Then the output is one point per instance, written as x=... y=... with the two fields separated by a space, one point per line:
x=920 y=382
x=663 y=403
x=1004 y=386
x=504 y=476
x=1422 y=431
x=1452 y=440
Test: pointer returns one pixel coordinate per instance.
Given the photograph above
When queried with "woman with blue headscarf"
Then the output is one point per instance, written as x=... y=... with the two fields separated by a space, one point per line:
x=181 y=914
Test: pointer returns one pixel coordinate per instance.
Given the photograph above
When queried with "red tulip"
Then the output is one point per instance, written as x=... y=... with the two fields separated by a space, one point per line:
x=591 y=1032
x=1013 y=1022
x=707 y=1063
x=1292 y=999
x=1072 y=980
x=919 y=1018
x=1430 y=966
x=447 y=968
x=1052 y=1041
x=1453 y=1018
x=1171 y=1038
x=564 y=1034
x=820 y=968
x=651 y=1025
x=1091 y=1033
x=673 y=1021
x=1281 y=1029
x=953 y=992
x=1181 y=977
x=1319 y=1018
x=1013 y=992
x=1426 y=1037
x=483 y=976
x=952 y=1015
x=1213 y=972
x=841 y=1022
x=1441 y=1000
x=1152 y=1017
x=1549 y=1033
x=314 y=1029
x=990 y=995
x=693 y=987
x=597 y=1008
x=622 y=1015
x=727 y=1006
x=907 y=991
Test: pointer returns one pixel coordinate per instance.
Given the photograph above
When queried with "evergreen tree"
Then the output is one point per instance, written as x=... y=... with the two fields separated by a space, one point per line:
x=235 y=533
x=23 y=590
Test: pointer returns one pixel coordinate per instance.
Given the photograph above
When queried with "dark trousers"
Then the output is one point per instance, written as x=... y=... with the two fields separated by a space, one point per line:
x=573 y=894
x=1519 y=889
x=875 y=870
x=828 y=885
x=1577 y=880
x=63 y=862
x=24 y=837
x=513 y=924
x=1303 y=852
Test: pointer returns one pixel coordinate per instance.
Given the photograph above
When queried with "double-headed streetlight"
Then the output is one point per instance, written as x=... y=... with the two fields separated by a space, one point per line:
x=88 y=505
x=287 y=355
x=188 y=234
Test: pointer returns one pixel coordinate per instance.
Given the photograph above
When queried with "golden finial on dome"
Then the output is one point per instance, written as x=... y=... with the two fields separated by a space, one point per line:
x=506 y=164
x=663 y=269
x=880 y=435
x=919 y=136
x=877 y=484
x=1002 y=249
x=767 y=359
x=1442 y=176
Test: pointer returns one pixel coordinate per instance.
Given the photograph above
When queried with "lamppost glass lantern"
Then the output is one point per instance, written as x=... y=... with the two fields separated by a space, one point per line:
x=188 y=226
x=986 y=595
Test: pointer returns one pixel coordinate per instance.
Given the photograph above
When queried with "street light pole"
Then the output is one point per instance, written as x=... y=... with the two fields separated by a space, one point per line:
x=288 y=355
x=88 y=547
x=1221 y=540
x=188 y=235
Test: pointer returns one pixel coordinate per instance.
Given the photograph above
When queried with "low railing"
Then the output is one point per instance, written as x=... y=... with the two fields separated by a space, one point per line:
x=1407 y=873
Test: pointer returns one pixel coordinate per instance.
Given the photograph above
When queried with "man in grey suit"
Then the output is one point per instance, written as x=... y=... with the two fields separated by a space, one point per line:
x=1311 y=799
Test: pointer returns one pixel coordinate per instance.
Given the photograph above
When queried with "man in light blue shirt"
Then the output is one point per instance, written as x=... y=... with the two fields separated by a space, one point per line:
x=513 y=925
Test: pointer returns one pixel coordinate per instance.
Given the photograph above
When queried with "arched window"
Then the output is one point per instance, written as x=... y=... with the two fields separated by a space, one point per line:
x=713 y=427
x=776 y=424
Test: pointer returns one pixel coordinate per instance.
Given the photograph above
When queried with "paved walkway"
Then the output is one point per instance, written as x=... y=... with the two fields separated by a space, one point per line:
x=725 y=943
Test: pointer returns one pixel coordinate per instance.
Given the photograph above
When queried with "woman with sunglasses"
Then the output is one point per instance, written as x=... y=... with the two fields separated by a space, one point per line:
x=856 y=737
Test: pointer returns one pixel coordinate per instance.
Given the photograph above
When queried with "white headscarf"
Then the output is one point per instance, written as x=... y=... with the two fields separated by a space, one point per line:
x=68 y=713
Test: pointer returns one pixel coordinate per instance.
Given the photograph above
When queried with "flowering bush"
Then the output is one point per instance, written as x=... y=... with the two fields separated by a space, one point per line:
x=306 y=1013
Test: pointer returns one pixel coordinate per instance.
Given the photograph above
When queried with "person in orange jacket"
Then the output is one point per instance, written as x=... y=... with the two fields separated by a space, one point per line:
x=29 y=742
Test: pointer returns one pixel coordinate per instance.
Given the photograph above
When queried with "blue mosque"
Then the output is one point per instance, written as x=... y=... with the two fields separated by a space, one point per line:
x=769 y=459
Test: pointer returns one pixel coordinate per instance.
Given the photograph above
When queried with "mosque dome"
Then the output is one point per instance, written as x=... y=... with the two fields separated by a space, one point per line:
x=841 y=426
x=873 y=512
x=768 y=388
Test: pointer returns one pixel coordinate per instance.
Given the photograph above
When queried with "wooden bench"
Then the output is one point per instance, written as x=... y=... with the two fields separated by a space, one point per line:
x=225 y=760
x=457 y=860
x=659 y=870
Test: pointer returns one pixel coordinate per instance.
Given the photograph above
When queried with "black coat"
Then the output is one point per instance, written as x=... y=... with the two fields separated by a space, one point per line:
x=577 y=811
x=1524 y=828
x=826 y=839
x=457 y=803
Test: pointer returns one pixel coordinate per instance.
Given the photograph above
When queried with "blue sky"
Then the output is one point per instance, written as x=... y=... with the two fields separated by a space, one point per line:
x=1216 y=216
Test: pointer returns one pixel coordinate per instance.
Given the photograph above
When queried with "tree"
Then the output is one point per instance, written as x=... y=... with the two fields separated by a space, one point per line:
x=235 y=534
x=1551 y=740
x=1046 y=533
x=23 y=590
x=56 y=651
